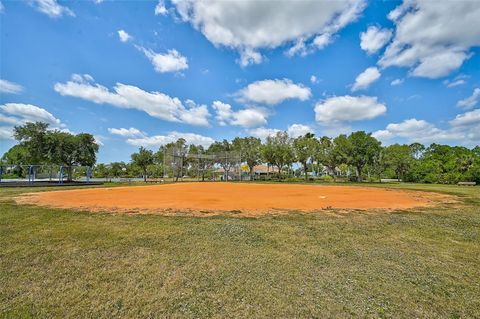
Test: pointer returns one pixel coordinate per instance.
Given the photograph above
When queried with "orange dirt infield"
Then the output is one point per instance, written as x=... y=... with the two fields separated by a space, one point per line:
x=246 y=199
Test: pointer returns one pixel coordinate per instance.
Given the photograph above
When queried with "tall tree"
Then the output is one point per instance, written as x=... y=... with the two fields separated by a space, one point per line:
x=226 y=157
x=33 y=137
x=333 y=152
x=363 y=150
x=305 y=148
x=278 y=150
x=399 y=158
x=249 y=149
x=143 y=159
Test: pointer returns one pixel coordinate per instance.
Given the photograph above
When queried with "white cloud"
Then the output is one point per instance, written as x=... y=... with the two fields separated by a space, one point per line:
x=366 y=78
x=124 y=36
x=374 y=39
x=172 y=61
x=348 y=108
x=313 y=79
x=155 y=104
x=458 y=80
x=433 y=38
x=51 y=8
x=470 y=101
x=249 y=26
x=383 y=135
x=19 y=113
x=10 y=87
x=2 y=10
x=250 y=117
x=14 y=114
x=466 y=119
x=424 y=132
x=126 y=132
x=296 y=130
x=160 y=8
x=262 y=132
x=396 y=82
x=6 y=133
x=159 y=140
x=414 y=130
x=273 y=92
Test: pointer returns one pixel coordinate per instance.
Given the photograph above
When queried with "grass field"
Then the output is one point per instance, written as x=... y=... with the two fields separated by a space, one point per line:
x=418 y=263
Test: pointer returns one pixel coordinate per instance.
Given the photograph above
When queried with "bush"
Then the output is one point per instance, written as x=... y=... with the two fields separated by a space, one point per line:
x=325 y=179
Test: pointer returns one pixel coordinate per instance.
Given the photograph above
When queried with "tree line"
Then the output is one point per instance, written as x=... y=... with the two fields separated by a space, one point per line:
x=358 y=157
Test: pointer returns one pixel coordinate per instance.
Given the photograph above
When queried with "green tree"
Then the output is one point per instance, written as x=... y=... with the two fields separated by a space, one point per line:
x=143 y=159
x=362 y=149
x=100 y=171
x=305 y=148
x=249 y=149
x=33 y=137
x=278 y=151
x=399 y=158
x=333 y=152
x=227 y=158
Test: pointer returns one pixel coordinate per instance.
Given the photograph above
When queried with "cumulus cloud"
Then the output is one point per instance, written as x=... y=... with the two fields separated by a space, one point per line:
x=348 y=108
x=470 y=101
x=396 y=82
x=52 y=8
x=374 y=39
x=272 y=92
x=18 y=113
x=296 y=130
x=262 y=132
x=159 y=140
x=12 y=114
x=160 y=8
x=10 y=87
x=314 y=80
x=124 y=36
x=463 y=129
x=172 y=61
x=126 y=132
x=366 y=78
x=249 y=117
x=155 y=104
x=414 y=130
x=466 y=119
x=249 y=26
x=432 y=38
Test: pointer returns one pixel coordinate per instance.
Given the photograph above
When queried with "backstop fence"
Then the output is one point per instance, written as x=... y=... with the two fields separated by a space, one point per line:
x=180 y=165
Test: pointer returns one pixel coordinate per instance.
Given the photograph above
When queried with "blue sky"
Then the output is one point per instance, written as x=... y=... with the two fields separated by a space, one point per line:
x=146 y=72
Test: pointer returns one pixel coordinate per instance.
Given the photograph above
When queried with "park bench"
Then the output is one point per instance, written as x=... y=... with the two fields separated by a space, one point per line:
x=467 y=183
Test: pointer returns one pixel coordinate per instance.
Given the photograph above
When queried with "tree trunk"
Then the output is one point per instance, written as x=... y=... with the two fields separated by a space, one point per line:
x=145 y=175
x=305 y=169
x=359 y=174
x=251 y=172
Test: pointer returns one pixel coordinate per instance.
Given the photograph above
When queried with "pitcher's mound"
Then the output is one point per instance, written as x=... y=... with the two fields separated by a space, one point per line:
x=246 y=199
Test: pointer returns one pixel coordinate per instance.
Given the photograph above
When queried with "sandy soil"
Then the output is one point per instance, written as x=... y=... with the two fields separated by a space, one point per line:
x=245 y=199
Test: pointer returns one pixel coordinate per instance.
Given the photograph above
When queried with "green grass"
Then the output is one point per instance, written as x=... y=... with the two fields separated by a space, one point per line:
x=420 y=263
